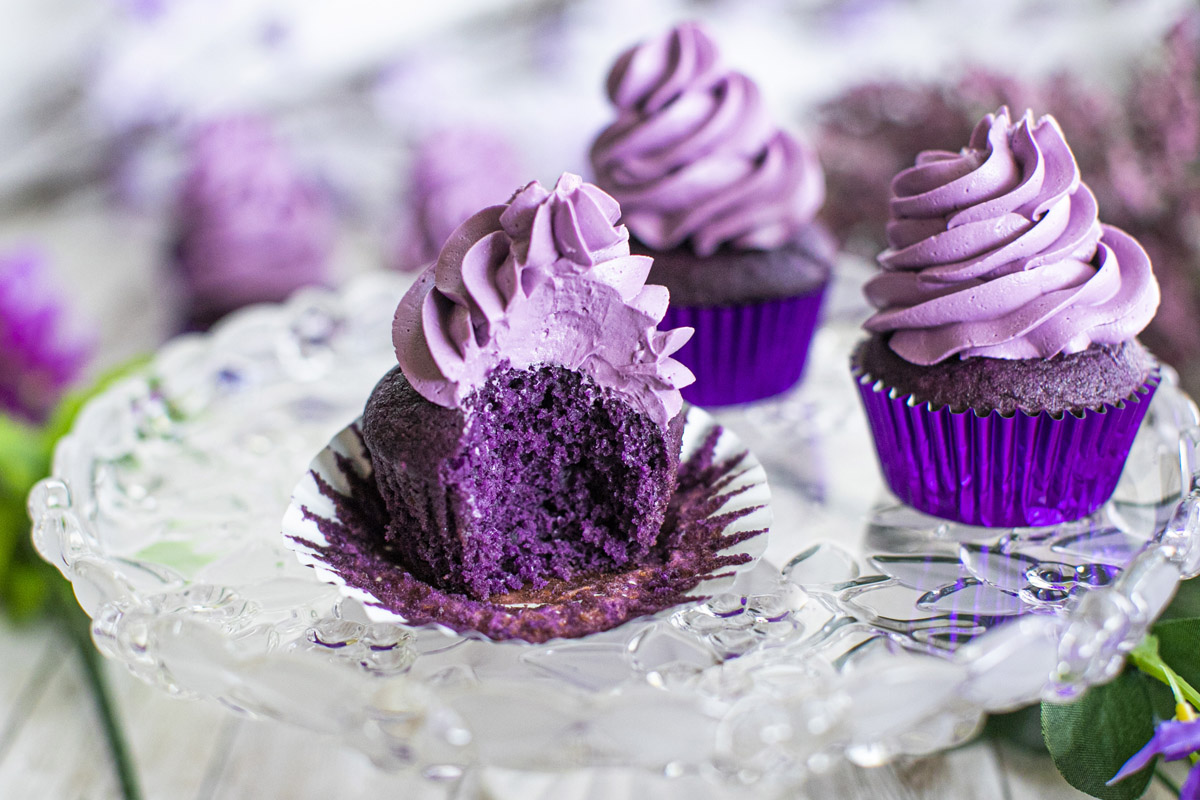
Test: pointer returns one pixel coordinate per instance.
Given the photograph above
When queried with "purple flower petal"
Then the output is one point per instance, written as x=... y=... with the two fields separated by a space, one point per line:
x=1172 y=740
x=42 y=351
x=1191 y=787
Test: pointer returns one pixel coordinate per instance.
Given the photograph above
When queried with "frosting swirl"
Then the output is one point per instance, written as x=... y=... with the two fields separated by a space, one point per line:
x=997 y=251
x=546 y=279
x=694 y=155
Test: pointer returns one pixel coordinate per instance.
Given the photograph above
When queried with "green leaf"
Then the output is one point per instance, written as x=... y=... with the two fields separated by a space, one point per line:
x=1022 y=727
x=1091 y=738
x=64 y=415
x=1186 y=603
x=1179 y=646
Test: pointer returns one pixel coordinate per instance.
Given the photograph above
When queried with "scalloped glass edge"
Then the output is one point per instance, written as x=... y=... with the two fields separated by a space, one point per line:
x=770 y=714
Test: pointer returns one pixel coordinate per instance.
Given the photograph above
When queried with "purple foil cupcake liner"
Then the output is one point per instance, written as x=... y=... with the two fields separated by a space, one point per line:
x=749 y=352
x=997 y=471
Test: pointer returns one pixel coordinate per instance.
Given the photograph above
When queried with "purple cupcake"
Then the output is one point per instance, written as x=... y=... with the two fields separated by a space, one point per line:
x=1003 y=380
x=249 y=227
x=532 y=428
x=724 y=201
x=455 y=173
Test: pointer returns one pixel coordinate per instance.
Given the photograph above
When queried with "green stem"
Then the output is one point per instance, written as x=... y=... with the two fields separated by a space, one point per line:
x=1146 y=658
x=78 y=629
x=1162 y=777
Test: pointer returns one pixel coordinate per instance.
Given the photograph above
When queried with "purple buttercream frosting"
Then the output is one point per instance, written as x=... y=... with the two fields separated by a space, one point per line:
x=694 y=156
x=997 y=251
x=546 y=279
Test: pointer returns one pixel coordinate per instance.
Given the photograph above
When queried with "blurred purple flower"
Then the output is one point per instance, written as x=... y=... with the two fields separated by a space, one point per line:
x=42 y=351
x=249 y=227
x=455 y=173
x=1172 y=740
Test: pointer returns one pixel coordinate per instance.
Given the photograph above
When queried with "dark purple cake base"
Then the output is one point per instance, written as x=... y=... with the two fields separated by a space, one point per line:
x=1092 y=378
x=687 y=551
x=542 y=474
x=1004 y=470
x=734 y=277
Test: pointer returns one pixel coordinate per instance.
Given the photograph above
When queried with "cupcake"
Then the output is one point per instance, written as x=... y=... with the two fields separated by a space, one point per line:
x=249 y=227
x=531 y=430
x=1003 y=380
x=724 y=201
x=455 y=173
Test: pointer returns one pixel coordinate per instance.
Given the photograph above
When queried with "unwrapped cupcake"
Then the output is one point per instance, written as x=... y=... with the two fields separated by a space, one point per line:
x=724 y=201
x=1003 y=380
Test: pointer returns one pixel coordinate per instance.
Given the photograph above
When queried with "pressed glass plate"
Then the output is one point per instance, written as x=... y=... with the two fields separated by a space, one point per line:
x=865 y=631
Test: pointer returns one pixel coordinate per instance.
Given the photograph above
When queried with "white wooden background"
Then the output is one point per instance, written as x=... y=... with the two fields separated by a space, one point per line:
x=51 y=747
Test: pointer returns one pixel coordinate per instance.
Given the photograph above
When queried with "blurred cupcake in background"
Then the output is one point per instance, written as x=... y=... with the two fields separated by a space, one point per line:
x=724 y=201
x=43 y=348
x=455 y=172
x=249 y=226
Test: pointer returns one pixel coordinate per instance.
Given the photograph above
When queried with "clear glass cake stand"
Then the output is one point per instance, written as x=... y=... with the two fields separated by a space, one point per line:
x=866 y=631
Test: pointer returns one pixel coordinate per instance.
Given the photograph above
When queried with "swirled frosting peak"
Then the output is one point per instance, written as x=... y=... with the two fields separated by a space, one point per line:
x=997 y=251
x=546 y=279
x=694 y=156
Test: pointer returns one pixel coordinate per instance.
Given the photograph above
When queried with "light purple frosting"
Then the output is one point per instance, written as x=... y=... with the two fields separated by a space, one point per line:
x=997 y=251
x=546 y=279
x=694 y=156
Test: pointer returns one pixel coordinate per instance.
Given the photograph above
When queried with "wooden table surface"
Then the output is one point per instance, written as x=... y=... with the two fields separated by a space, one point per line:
x=51 y=746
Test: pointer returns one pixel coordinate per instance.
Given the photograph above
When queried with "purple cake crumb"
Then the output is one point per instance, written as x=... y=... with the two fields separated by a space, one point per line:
x=687 y=550
x=542 y=474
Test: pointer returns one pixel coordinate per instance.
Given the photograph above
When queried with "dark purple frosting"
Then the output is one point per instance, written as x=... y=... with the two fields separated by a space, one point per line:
x=694 y=156
x=546 y=279
x=997 y=251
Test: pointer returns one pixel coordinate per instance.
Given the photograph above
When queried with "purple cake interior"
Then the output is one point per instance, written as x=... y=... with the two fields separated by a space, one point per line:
x=542 y=474
x=693 y=545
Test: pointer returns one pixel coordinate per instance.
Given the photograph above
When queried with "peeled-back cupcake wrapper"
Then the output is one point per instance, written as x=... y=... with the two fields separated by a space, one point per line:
x=998 y=471
x=744 y=353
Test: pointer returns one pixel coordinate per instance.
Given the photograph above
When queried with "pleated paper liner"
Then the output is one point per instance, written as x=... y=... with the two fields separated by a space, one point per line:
x=716 y=529
x=743 y=353
x=1001 y=471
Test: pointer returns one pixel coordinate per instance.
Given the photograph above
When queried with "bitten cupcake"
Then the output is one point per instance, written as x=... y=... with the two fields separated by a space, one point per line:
x=531 y=430
x=724 y=201
x=1003 y=380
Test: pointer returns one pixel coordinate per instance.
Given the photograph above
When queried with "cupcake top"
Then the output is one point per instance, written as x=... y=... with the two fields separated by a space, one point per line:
x=545 y=279
x=997 y=251
x=693 y=155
